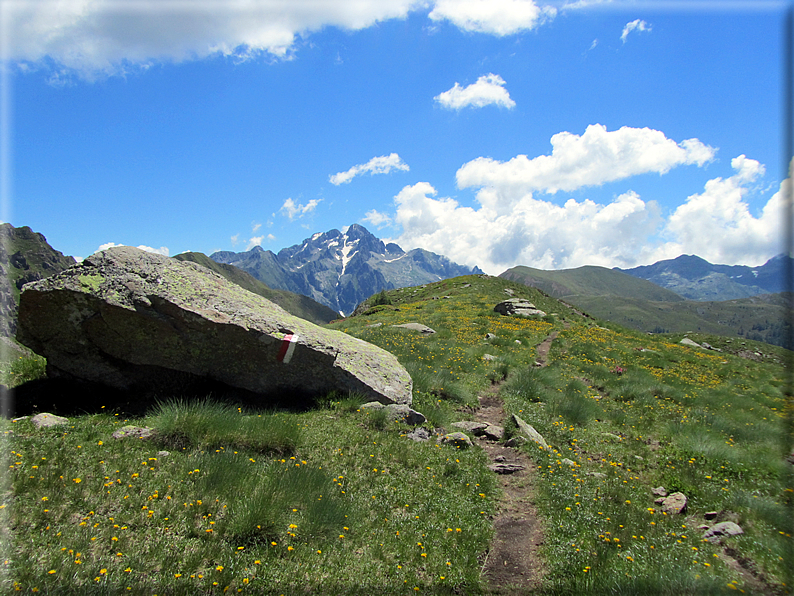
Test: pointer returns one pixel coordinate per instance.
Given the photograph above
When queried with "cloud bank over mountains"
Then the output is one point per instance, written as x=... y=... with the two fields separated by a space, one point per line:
x=94 y=38
x=512 y=225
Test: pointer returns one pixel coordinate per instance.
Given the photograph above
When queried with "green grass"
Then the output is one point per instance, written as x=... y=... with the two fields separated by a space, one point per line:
x=336 y=500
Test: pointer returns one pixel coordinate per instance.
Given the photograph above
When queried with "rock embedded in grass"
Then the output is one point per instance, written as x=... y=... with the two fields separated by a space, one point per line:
x=457 y=439
x=136 y=321
x=529 y=431
x=518 y=306
x=674 y=504
x=394 y=412
x=717 y=531
x=46 y=420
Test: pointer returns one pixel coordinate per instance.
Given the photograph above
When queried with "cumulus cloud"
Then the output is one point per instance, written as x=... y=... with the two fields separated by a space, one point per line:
x=536 y=233
x=163 y=250
x=376 y=218
x=594 y=158
x=635 y=25
x=489 y=89
x=255 y=241
x=93 y=37
x=377 y=165
x=717 y=224
x=292 y=209
x=497 y=17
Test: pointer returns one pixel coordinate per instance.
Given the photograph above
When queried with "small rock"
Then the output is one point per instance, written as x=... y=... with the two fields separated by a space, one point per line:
x=515 y=442
x=568 y=462
x=490 y=336
x=639 y=457
x=416 y=327
x=659 y=491
x=500 y=458
x=466 y=286
x=505 y=468
x=133 y=432
x=726 y=528
x=458 y=439
x=46 y=420
x=596 y=474
x=397 y=412
x=530 y=432
x=489 y=357
x=710 y=515
x=470 y=426
x=163 y=453
x=674 y=504
x=518 y=306
x=518 y=341
x=375 y=325
x=612 y=436
x=688 y=342
x=419 y=434
x=659 y=501
x=493 y=432
x=703 y=527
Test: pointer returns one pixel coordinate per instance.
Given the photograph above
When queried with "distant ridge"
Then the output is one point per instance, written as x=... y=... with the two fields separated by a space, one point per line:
x=695 y=278
x=341 y=269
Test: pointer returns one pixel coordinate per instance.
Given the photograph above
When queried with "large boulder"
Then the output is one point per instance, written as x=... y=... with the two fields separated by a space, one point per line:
x=518 y=306
x=128 y=319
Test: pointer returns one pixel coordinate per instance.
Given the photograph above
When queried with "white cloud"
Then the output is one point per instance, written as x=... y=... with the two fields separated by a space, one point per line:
x=255 y=226
x=235 y=239
x=535 y=233
x=497 y=17
x=163 y=250
x=94 y=37
x=717 y=224
x=376 y=218
x=489 y=89
x=255 y=241
x=635 y=25
x=377 y=165
x=292 y=209
x=592 y=159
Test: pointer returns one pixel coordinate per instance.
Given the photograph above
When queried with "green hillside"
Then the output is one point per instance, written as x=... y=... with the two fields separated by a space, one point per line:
x=589 y=281
x=609 y=295
x=335 y=500
x=296 y=304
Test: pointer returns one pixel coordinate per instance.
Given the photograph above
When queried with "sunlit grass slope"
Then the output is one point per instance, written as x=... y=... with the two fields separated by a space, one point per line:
x=335 y=501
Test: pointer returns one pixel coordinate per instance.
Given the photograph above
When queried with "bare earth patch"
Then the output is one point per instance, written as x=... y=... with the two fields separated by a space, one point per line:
x=512 y=565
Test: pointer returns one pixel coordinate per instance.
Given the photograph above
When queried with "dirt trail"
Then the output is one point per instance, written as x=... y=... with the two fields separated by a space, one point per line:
x=513 y=565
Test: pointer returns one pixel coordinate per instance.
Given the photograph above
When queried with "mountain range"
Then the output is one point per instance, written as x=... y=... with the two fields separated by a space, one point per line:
x=694 y=278
x=341 y=269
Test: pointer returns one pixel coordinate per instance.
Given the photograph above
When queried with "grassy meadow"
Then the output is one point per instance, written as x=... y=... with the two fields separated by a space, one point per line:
x=226 y=499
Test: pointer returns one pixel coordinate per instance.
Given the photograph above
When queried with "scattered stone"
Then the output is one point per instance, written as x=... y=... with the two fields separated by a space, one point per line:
x=515 y=442
x=47 y=420
x=612 y=436
x=703 y=527
x=596 y=474
x=674 y=504
x=375 y=325
x=466 y=286
x=505 y=468
x=659 y=501
x=419 y=434
x=517 y=341
x=710 y=515
x=457 y=439
x=660 y=491
x=530 y=432
x=396 y=412
x=688 y=342
x=500 y=458
x=721 y=529
x=509 y=291
x=416 y=327
x=489 y=357
x=639 y=457
x=470 y=426
x=142 y=322
x=163 y=453
x=490 y=336
x=518 y=306
x=134 y=432
x=568 y=462
x=493 y=432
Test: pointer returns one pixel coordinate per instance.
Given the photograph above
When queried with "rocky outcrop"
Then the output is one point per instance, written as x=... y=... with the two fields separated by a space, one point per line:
x=396 y=412
x=529 y=431
x=518 y=306
x=133 y=320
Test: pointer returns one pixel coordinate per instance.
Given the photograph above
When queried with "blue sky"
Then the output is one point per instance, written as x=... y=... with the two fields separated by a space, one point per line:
x=496 y=132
